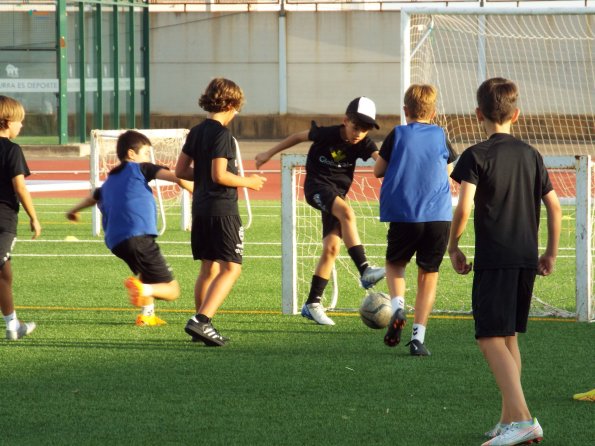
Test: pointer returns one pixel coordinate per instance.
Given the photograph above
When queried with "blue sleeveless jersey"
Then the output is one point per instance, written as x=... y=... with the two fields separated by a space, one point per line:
x=415 y=187
x=127 y=205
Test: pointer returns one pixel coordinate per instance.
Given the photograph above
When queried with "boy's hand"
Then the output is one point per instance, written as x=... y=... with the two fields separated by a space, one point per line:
x=261 y=158
x=73 y=216
x=545 y=265
x=459 y=261
x=256 y=181
x=35 y=228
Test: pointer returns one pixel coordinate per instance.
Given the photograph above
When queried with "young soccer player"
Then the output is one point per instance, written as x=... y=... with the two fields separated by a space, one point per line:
x=209 y=158
x=13 y=191
x=415 y=160
x=506 y=180
x=329 y=173
x=129 y=222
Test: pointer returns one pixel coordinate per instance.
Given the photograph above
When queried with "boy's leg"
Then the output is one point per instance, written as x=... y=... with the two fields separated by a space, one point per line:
x=199 y=326
x=220 y=287
x=424 y=302
x=208 y=271
x=395 y=279
x=15 y=329
x=6 y=299
x=504 y=367
x=313 y=309
x=369 y=275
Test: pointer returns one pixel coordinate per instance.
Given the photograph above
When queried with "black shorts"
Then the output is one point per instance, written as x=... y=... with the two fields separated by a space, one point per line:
x=427 y=240
x=143 y=257
x=218 y=238
x=7 y=241
x=501 y=299
x=323 y=200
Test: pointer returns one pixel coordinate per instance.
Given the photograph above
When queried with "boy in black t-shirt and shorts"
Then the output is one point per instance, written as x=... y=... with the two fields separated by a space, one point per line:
x=329 y=173
x=13 y=193
x=209 y=159
x=506 y=180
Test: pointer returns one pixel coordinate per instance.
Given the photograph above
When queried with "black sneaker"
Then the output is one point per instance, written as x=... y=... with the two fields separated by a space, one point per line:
x=416 y=348
x=395 y=326
x=205 y=332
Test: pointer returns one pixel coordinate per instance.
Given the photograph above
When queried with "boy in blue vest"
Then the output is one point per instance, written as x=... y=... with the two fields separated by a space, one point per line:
x=13 y=194
x=415 y=160
x=129 y=222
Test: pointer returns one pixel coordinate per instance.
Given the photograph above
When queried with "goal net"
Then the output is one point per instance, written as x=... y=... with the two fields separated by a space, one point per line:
x=549 y=54
x=166 y=144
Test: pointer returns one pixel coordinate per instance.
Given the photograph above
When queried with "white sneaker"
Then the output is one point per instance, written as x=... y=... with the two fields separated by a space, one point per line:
x=518 y=433
x=371 y=276
x=496 y=430
x=316 y=313
x=24 y=329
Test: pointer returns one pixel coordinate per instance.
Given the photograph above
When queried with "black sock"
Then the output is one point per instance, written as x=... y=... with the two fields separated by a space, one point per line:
x=358 y=255
x=202 y=318
x=316 y=290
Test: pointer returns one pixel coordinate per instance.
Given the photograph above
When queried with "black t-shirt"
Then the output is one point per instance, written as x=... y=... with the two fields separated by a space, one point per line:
x=331 y=160
x=205 y=142
x=12 y=164
x=511 y=179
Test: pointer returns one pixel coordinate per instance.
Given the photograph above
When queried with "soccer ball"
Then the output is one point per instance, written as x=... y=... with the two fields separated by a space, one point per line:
x=376 y=310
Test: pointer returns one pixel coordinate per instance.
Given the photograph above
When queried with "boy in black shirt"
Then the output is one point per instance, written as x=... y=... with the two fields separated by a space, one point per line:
x=209 y=159
x=506 y=180
x=329 y=173
x=13 y=193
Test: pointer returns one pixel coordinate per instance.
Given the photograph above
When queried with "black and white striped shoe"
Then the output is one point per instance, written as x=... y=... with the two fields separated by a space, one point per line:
x=205 y=332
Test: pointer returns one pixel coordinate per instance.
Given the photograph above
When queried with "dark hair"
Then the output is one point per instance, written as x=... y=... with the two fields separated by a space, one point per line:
x=366 y=126
x=220 y=95
x=496 y=99
x=130 y=139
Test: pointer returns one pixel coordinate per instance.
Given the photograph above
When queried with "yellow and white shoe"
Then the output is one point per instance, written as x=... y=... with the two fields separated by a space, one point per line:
x=148 y=321
x=586 y=396
x=135 y=292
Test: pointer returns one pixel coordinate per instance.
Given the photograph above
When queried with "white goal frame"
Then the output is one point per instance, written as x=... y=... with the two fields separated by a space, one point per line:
x=96 y=173
x=582 y=165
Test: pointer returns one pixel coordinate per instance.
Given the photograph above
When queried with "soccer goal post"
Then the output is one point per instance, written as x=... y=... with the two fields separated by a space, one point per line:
x=568 y=293
x=166 y=144
x=549 y=53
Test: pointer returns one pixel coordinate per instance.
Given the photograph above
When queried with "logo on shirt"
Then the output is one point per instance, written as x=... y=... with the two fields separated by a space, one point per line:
x=338 y=155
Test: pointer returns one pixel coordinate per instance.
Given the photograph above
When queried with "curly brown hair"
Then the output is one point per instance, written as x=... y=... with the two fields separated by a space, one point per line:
x=221 y=95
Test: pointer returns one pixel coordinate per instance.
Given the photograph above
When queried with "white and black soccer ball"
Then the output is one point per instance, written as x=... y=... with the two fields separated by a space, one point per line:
x=376 y=310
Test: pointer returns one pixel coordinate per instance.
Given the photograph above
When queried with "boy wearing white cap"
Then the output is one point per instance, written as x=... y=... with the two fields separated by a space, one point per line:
x=330 y=167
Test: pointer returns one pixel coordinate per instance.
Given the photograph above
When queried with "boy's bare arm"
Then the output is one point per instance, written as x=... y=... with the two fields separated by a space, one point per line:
x=459 y=222
x=168 y=175
x=18 y=183
x=220 y=175
x=554 y=223
x=380 y=167
x=288 y=142
x=184 y=169
x=73 y=214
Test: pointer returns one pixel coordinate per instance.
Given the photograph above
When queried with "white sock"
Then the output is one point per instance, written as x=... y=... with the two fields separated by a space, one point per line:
x=419 y=332
x=149 y=310
x=12 y=323
x=397 y=302
x=147 y=289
